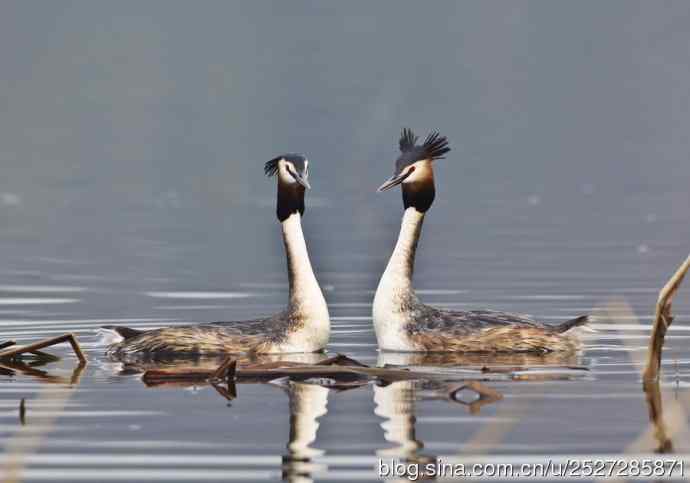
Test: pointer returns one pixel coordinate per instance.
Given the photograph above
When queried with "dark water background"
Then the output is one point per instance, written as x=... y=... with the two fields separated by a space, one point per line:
x=132 y=139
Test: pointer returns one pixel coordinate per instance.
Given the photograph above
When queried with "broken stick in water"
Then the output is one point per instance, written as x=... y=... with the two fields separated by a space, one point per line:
x=34 y=348
x=226 y=370
x=662 y=321
x=6 y=344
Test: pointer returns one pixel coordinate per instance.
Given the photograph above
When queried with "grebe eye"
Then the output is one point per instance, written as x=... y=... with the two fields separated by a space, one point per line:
x=411 y=170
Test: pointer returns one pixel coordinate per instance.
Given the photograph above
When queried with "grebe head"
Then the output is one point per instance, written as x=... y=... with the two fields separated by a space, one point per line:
x=414 y=169
x=292 y=171
x=291 y=168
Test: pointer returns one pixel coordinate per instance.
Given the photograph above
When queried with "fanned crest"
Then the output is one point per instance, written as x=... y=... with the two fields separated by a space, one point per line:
x=407 y=140
x=271 y=167
x=434 y=147
x=297 y=159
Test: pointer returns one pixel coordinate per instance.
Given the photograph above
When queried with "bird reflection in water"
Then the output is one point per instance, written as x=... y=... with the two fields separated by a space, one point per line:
x=307 y=402
x=484 y=361
x=396 y=403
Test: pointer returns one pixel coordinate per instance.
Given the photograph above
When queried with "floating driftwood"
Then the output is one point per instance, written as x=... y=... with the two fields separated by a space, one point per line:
x=338 y=373
x=662 y=321
x=17 y=352
x=6 y=344
x=340 y=370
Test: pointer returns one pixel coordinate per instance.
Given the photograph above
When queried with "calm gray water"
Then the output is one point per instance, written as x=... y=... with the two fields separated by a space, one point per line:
x=132 y=139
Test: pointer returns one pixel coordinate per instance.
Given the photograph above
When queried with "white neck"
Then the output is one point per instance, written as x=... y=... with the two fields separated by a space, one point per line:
x=395 y=287
x=306 y=299
x=400 y=267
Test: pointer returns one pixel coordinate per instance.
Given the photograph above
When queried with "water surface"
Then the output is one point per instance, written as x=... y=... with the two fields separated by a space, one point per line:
x=131 y=148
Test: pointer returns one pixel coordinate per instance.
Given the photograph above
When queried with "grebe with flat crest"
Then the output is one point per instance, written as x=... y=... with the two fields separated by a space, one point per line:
x=403 y=323
x=303 y=327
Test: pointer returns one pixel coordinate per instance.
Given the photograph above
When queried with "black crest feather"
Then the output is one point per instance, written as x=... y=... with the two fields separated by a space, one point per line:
x=407 y=140
x=435 y=146
x=271 y=167
x=298 y=161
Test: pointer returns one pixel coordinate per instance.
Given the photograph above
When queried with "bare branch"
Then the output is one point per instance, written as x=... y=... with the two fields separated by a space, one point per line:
x=662 y=321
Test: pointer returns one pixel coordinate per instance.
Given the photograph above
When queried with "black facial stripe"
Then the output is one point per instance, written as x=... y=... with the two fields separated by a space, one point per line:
x=296 y=176
x=406 y=175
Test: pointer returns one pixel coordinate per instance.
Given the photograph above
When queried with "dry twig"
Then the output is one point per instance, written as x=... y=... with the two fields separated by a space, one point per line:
x=34 y=348
x=662 y=321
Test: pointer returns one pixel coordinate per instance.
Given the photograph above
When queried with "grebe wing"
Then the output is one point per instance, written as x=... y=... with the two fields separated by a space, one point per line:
x=428 y=318
x=265 y=326
x=217 y=337
x=494 y=318
x=436 y=330
x=488 y=319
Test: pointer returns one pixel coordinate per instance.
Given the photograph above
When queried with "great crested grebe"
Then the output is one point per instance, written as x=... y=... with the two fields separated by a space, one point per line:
x=303 y=327
x=403 y=323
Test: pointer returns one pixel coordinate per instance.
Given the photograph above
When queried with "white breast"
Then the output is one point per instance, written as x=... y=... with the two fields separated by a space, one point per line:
x=389 y=321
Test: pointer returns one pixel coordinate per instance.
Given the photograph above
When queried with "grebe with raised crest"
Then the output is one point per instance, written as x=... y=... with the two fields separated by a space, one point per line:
x=403 y=323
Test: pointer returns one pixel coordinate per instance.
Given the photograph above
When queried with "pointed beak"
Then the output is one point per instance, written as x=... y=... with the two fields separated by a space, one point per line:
x=393 y=181
x=302 y=180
